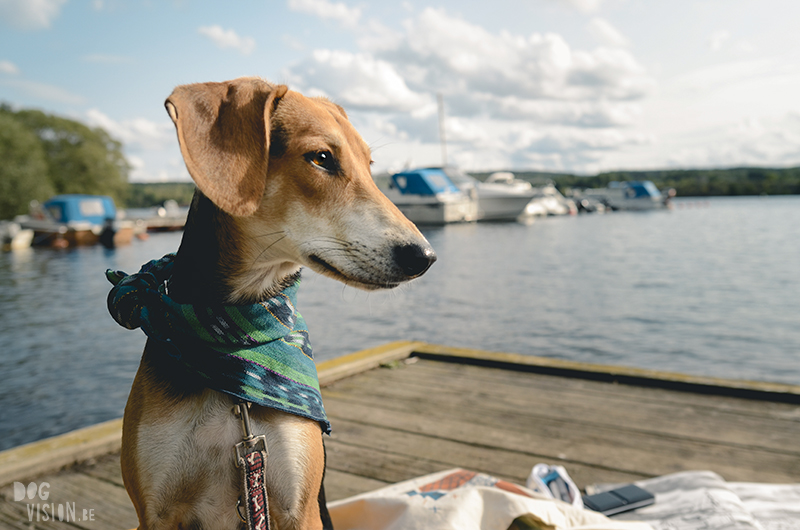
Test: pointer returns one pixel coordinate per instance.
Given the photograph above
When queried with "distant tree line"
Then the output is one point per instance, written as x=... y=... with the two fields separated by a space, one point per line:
x=687 y=182
x=42 y=155
x=146 y=194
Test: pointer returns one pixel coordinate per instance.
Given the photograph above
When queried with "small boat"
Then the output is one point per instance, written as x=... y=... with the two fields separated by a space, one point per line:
x=548 y=200
x=630 y=195
x=168 y=217
x=14 y=237
x=428 y=196
x=74 y=220
x=500 y=198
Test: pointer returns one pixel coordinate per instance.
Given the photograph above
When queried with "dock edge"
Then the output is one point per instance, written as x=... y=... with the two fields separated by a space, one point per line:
x=43 y=456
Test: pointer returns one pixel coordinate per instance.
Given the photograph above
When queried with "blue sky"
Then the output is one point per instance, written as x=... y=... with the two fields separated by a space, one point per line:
x=563 y=85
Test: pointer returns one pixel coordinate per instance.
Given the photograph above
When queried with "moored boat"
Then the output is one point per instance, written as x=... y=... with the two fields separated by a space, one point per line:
x=167 y=217
x=428 y=196
x=75 y=220
x=500 y=198
x=14 y=237
x=548 y=200
x=630 y=195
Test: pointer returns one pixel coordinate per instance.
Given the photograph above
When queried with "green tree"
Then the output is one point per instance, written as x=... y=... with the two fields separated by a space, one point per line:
x=23 y=168
x=79 y=159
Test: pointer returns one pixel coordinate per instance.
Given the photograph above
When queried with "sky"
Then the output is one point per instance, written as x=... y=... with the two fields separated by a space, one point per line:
x=578 y=86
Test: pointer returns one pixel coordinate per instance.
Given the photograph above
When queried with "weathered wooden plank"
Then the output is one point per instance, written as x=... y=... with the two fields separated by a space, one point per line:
x=607 y=447
x=94 y=503
x=624 y=374
x=377 y=465
x=53 y=453
x=588 y=388
x=510 y=465
x=393 y=425
x=104 y=468
x=15 y=516
x=340 y=484
x=689 y=421
x=361 y=361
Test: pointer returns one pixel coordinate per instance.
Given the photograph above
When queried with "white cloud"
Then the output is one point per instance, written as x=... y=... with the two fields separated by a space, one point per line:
x=150 y=147
x=137 y=133
x=336 y=11
x=357 y=81
x=606 y=33
x=506 y=95
x=7 y=67
x=584 y=6
x=30 y=14
x=228 y=39
x=451 y=55
x=576 y=113
x=772 y=141
x=718 y=39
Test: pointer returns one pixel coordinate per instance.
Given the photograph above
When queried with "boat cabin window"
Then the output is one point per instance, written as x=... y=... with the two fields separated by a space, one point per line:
x=438 y=182
x=56 y=211
x=92 y=207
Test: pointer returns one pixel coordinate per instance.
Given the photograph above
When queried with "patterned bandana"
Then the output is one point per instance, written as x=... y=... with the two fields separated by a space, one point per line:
x=259 y=353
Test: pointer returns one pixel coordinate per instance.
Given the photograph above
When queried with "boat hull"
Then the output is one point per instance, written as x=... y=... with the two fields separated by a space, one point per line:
x=501 y=208
x=61 y=235
x=435 y=211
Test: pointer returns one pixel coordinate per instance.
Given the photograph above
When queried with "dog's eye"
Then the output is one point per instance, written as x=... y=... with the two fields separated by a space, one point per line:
x=323 y=160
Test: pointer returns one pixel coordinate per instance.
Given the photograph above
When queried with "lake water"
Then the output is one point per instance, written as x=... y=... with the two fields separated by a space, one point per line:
x=708 y=288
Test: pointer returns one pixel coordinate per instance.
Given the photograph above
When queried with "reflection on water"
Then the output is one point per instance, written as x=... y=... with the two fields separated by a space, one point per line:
x=711 y=290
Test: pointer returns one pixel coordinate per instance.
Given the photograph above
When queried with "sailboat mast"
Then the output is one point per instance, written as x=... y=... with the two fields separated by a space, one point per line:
x=442 y=139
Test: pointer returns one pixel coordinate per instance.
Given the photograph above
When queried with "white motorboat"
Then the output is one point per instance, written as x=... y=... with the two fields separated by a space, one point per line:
x=548 y=200
x=428 y=196
x=630 y=195
x=14 y=237
x=500 y=198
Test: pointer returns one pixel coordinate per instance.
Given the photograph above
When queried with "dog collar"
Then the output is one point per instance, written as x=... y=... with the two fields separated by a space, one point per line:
x=259 y=353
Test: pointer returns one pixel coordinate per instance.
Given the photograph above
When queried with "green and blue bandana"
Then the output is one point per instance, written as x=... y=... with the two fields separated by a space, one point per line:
x=259 y=353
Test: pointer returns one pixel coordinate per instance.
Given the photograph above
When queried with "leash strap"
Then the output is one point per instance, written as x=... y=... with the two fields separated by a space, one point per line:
x=255 y=491
x=251 y=458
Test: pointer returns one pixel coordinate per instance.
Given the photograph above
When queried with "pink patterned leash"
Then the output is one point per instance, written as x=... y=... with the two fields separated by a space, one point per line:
x=251 y=457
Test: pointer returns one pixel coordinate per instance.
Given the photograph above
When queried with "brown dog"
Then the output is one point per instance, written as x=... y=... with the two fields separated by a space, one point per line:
x=283 y=181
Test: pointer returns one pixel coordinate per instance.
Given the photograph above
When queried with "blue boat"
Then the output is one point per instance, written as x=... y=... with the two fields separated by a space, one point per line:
x=74 y=208
x=630 y=195
x=428 y=196
x=75 y=219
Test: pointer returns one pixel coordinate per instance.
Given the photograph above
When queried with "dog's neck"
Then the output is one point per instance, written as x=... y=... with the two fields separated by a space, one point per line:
x=197 y=276
x=210 y=258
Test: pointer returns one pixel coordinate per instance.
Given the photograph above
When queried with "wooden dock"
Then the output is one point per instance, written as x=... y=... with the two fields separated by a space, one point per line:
x=408 y=409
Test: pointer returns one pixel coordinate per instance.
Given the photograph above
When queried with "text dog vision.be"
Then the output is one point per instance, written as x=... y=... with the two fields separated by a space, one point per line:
x=44 y=511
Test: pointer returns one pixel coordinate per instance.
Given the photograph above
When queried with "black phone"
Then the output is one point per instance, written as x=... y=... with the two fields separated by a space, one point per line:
x=619 y=500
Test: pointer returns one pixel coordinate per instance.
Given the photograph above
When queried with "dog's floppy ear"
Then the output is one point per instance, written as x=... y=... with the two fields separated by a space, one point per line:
x=223 y=131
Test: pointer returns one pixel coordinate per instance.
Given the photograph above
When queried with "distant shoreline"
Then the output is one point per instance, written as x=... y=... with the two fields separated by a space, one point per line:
x=745 y=181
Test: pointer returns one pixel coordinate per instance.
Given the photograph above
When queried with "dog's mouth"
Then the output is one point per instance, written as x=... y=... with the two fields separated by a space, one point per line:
x=364 y=283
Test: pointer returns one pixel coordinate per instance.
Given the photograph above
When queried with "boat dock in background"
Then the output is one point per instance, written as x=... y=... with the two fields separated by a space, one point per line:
x=407 y=409
x=71 y=220
x=165 y=218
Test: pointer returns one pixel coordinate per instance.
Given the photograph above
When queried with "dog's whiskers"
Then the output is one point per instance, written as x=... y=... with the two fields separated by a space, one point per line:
x=268 y=235
x=265 y=250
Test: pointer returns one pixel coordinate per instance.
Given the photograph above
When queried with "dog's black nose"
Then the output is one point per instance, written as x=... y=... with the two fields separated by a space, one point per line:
x=413 y=260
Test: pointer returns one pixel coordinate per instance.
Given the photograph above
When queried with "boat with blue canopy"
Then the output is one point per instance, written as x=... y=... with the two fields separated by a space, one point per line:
x=428 y=196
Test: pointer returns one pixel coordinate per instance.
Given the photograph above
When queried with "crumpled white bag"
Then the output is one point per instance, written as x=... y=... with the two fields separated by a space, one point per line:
x=463 y=500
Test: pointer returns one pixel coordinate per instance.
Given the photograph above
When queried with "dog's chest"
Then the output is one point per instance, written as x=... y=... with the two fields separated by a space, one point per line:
x=190 y=452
